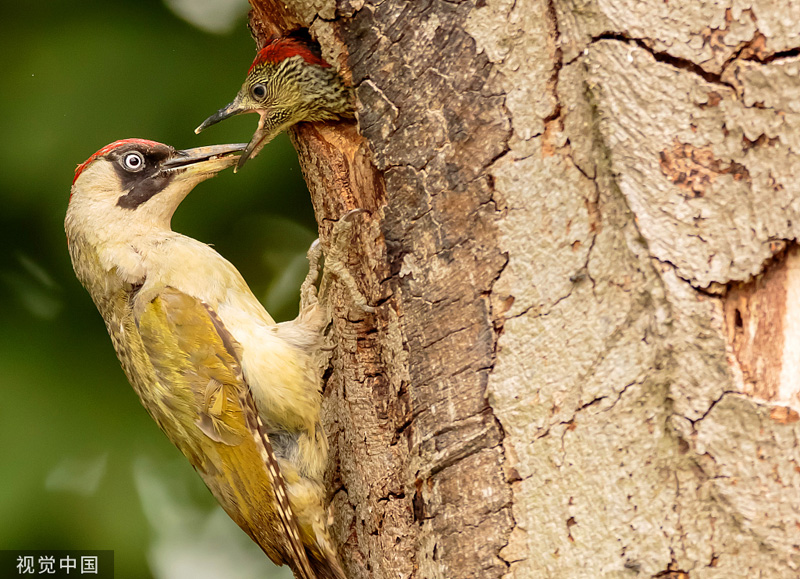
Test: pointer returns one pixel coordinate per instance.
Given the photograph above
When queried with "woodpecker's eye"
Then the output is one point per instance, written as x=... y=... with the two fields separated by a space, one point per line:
x=259 y=91
x=133 y=161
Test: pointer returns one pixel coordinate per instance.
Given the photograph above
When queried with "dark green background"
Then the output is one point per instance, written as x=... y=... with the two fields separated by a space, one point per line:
x=83 y=466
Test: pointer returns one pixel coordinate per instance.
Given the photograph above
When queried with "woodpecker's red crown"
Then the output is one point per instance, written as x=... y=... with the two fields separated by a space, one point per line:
x=283 y=47
x=107 y=149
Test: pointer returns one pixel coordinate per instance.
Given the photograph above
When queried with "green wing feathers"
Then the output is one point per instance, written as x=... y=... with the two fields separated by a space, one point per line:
x=207 y=411
x=202 y=378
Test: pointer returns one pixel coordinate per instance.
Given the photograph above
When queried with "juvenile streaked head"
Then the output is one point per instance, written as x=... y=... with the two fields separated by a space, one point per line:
x=135 y=184
x=287 y=83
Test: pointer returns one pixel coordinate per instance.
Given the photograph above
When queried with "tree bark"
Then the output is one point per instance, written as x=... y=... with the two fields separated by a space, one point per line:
x=580 y=242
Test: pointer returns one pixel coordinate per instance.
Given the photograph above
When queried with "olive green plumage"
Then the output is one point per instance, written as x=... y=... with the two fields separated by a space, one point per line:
x=234 y=391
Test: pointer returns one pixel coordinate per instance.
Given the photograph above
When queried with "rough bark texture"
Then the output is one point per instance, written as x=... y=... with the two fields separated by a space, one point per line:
x=585 y=359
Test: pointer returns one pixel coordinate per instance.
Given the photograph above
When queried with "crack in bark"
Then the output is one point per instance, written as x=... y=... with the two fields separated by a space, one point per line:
x=719 y=288
x=789 y=53
x=714 y=402
x=666 y=58
x=558 y=63
x=660 y=56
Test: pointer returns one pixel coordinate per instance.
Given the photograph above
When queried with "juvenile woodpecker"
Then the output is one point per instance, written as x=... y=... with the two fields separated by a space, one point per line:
x=287 y=83
x=234 y=391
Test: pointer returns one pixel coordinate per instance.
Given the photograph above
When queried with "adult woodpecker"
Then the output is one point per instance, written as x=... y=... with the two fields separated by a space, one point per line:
x=287 y=83
x=234 y=391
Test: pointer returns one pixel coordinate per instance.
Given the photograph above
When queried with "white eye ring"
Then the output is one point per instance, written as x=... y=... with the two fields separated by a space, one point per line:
x=259 y=91
x=133 y=161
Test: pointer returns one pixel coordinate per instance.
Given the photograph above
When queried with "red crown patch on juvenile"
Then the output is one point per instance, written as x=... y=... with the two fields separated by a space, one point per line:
x=107 y=149
x=285 y=47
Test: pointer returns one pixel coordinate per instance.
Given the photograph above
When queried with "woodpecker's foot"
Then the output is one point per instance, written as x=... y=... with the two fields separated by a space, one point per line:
x=313 y=316
x=308 y=289
x=335 y=259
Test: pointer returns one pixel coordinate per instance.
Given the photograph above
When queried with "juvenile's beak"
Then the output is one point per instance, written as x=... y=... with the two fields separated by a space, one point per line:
x=203 y=160
x=233 y=109
x=260 y=138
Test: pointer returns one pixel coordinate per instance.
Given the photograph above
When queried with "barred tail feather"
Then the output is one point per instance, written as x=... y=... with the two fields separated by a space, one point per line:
x=299 y=560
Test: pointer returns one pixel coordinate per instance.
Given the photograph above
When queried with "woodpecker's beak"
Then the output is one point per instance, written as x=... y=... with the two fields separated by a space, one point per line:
x=261 y=137
x=202 y=160
x=233 y=109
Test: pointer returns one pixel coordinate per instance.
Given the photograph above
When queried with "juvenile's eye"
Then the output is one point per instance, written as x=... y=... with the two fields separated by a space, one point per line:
x=133 y=161
x=258 y=91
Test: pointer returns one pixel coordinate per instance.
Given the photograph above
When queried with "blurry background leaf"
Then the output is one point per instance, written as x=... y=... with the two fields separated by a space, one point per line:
x=75 y=77
x=216 y=16
x=189 y=538
x=77 y=475
x=33 y=288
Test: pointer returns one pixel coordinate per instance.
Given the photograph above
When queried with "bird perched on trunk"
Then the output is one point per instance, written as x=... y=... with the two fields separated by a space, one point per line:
x=234 y=391
x=287 y=83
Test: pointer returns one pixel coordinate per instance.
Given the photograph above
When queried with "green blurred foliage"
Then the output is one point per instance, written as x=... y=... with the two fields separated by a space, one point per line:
x=83 y=465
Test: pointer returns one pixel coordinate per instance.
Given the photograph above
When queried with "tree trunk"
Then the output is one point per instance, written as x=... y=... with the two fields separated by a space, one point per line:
x=585 y=359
